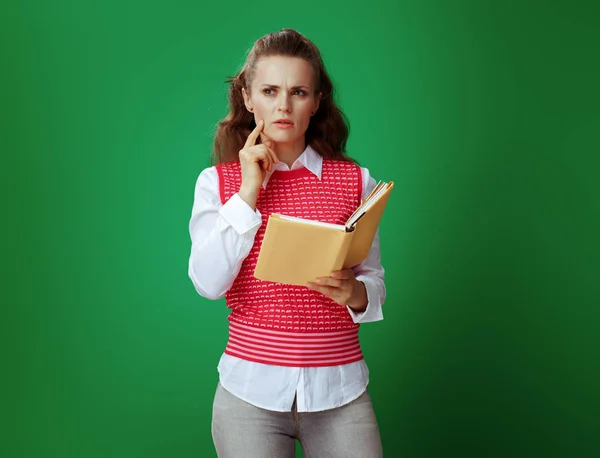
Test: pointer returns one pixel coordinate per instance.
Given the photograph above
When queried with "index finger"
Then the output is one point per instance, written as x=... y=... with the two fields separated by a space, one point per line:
x=251 y=140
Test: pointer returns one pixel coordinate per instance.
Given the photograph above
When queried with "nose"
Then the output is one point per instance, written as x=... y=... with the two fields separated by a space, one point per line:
x=284 y=103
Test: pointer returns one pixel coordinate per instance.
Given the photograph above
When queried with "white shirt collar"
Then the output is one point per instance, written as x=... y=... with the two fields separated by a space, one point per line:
x=309 y=158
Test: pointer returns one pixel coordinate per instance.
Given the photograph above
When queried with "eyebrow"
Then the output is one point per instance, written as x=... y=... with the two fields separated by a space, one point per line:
x=274 y=86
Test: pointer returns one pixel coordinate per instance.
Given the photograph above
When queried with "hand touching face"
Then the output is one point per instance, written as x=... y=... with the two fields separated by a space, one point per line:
x=255 y=161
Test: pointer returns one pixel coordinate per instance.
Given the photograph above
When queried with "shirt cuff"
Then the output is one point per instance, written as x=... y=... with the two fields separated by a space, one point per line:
x=240 y=215
x=373 y=311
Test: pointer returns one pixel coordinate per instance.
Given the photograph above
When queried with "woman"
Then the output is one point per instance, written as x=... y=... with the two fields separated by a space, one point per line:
x=292 y=367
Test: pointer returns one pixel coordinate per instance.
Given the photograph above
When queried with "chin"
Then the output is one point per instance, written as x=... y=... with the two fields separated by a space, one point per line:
x=283 y=136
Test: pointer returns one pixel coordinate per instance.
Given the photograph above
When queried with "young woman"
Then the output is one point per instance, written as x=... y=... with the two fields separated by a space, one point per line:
x=292 y=367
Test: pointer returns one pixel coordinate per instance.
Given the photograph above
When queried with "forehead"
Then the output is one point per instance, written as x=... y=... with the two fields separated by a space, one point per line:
x=283 y=70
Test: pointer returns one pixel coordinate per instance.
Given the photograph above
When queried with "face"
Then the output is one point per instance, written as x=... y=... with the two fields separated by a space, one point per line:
x=283 y=95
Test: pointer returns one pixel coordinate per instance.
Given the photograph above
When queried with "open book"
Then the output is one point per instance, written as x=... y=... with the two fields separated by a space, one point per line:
x=296 y=251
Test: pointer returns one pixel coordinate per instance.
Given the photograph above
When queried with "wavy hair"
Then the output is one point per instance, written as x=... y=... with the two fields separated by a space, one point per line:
x=328 y=129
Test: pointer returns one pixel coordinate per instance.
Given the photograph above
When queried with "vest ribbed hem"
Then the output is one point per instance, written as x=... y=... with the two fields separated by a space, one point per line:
x=293 y=349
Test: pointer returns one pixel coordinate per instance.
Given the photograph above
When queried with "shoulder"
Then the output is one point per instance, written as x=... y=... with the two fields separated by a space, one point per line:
x=368 y=182
x=341 y=165
x=207 y=179
x=347 y=166
x=227 y=167
x=212 y=177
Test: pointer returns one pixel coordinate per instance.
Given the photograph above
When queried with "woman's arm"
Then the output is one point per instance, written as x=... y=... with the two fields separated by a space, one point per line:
x=371 y=273
x=222 y=236
x=362 y=288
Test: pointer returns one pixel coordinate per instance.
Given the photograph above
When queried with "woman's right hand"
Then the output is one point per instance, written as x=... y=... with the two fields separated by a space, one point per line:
x=256 y=161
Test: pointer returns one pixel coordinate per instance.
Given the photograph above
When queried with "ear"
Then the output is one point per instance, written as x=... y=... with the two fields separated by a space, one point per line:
x=247 y=100
x=317 y=101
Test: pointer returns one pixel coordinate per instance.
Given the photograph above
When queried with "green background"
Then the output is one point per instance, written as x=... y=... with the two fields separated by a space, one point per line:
x=485 y=114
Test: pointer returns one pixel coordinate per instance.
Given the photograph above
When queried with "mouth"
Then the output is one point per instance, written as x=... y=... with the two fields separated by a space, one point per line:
x=284 y=123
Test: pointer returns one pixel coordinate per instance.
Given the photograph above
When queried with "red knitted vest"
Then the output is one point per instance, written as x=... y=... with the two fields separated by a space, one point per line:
x=282 y=324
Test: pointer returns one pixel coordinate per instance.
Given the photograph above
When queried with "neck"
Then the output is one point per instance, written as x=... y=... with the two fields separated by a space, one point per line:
x=289 y=152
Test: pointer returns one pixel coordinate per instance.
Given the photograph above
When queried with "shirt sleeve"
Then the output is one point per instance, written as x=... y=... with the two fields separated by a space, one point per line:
x=222 y=236
x=370 y=271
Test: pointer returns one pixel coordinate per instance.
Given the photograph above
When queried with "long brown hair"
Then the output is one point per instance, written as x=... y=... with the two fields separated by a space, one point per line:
x=328 y=130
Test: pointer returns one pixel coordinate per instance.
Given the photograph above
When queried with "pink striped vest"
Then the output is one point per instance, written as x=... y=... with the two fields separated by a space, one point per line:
x=288 y=325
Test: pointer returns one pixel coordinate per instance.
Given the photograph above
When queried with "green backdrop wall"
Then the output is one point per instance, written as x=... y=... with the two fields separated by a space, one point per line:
x=485 y=114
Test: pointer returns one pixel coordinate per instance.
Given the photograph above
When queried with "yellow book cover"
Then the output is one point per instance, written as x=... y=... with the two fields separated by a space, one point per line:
x=296 y=251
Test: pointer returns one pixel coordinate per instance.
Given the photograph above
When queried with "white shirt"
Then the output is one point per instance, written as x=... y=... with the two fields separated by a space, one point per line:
x=222 y=237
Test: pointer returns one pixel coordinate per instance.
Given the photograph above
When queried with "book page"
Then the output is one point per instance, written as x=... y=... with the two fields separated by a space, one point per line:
x=310 y=221
x=367 y=203
x=366 y=227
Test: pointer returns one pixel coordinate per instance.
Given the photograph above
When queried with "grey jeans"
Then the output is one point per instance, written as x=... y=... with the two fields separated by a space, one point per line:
x=241 y=430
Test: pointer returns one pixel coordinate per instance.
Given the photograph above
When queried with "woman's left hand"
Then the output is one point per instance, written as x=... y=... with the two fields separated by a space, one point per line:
x=342 y=287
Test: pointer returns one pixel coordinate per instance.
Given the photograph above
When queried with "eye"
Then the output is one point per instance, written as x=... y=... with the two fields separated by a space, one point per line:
x=299 y=92
x=268 y=91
